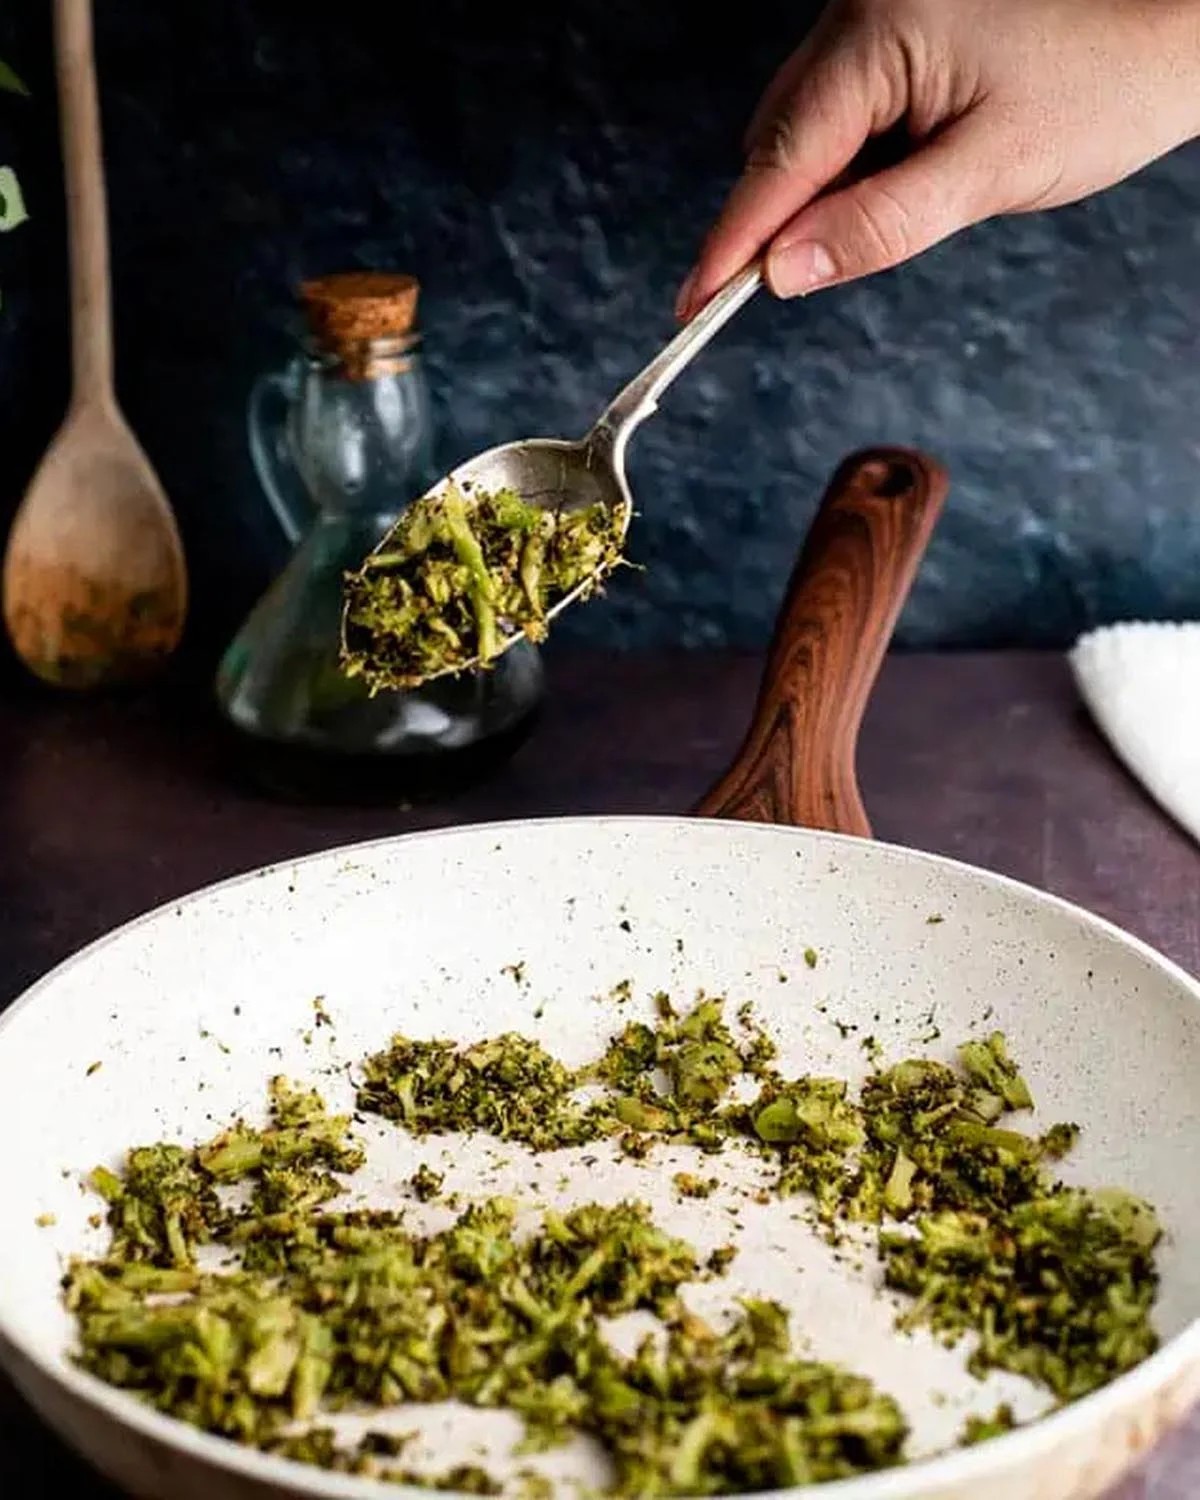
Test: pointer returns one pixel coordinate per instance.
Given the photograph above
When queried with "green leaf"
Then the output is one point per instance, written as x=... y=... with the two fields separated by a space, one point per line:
x=9 y=82
x=12 y=203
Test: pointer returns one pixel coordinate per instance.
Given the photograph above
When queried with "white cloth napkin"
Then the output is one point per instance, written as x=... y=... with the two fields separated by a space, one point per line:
x=1141 y=682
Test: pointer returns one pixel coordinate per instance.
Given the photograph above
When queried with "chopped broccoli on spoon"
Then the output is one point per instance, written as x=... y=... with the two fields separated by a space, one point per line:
x=461 y=577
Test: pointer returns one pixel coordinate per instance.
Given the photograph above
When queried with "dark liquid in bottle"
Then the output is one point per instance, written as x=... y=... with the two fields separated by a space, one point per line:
x=294 y=772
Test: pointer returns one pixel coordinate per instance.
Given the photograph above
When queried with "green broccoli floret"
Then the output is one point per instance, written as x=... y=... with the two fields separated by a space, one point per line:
x=989 y=1064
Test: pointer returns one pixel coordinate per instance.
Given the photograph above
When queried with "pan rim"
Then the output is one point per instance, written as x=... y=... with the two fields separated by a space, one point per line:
x=1000 y=1454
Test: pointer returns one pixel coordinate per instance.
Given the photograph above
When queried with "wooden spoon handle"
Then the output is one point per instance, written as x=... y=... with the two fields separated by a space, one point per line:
x=797 y=762
x=87 y=219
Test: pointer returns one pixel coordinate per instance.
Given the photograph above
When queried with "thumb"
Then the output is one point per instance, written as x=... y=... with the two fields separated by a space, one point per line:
x=882 y=220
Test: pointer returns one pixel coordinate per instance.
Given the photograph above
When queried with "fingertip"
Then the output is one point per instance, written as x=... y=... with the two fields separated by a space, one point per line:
x=683 y=299
x=721 y=258
x=694 y=292
x=704 y=286
x=799 y=267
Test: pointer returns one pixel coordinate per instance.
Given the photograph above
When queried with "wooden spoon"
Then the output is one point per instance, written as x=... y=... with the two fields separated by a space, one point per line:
x=95 y=586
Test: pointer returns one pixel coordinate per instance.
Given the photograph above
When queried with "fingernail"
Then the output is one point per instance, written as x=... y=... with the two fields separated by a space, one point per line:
x=799 y=268
x=683 y=301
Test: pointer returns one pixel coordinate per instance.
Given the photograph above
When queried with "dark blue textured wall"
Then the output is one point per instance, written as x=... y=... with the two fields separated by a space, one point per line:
x=546 y=169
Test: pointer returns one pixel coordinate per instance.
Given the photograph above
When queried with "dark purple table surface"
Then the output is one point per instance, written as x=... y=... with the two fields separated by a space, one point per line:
x=108 y=808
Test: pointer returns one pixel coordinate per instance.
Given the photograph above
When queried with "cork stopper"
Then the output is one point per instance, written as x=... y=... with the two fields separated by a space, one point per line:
x=351 y=313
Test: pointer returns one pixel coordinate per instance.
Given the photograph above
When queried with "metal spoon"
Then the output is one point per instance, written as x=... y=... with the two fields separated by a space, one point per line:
x=556 y=473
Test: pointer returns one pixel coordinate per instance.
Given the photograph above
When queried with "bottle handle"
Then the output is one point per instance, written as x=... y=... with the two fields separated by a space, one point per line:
x=271 y=396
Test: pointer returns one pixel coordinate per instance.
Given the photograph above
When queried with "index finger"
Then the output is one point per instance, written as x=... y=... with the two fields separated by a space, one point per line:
x=820 y=130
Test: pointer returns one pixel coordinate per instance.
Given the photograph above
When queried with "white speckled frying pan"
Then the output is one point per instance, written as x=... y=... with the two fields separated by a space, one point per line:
x=189 y=1010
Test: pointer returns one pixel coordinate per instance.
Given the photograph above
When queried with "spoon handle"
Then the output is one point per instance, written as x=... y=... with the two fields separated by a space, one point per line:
x=640 y=397
x=797 y=762
x=87 y=220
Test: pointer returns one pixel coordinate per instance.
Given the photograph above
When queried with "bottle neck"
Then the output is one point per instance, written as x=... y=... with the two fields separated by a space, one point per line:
x=361 y=434
x=357 y=360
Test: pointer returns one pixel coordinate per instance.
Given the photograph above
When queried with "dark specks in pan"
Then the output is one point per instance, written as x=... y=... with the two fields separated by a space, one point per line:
x=93 y=1068
x=931 y=1031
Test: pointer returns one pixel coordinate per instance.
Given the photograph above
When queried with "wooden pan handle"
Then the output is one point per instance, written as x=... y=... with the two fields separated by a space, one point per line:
x=797 y=762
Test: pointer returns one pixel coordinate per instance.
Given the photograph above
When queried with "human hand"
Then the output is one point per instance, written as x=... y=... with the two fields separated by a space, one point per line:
x=1003 y=106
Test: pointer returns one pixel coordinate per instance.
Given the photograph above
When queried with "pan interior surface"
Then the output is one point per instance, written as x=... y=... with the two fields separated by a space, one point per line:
x=172 y=1026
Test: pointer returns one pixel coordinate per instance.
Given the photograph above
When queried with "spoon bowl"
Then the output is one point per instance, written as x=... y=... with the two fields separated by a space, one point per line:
x=95 y=586
x=553 y=473
x=560 y=474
